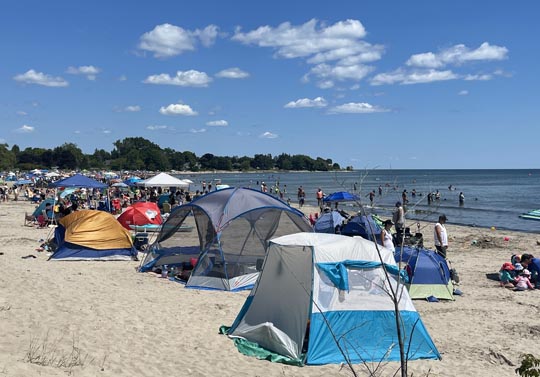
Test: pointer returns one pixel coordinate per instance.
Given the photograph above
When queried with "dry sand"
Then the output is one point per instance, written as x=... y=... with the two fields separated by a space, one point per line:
x=123 y=323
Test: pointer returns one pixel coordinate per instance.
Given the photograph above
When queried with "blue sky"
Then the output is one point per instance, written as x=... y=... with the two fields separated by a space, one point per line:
x=421 y=84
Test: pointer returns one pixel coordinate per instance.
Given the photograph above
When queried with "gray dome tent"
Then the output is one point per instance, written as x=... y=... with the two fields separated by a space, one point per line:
x=234 y=226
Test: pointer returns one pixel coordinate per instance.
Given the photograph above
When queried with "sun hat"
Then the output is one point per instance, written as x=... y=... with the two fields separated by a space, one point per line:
x=508 y=266
x=518 y=267
x=526 y=272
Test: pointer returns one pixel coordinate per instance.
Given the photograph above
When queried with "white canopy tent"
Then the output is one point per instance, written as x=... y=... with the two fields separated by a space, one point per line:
x=163 y=180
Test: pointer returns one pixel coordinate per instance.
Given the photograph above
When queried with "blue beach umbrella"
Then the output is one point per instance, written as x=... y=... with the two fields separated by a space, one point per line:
x=341 y=196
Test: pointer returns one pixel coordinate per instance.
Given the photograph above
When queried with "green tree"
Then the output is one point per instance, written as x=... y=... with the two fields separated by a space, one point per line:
x=7 y=157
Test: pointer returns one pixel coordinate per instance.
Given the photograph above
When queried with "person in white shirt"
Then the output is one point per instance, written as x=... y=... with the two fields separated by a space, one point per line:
x=441 y=236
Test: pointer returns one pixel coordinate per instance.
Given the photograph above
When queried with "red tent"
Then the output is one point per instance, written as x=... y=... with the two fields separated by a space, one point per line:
x=140 y=213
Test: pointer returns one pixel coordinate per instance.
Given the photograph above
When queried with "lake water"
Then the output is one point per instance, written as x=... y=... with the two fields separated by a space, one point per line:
x=492 y=197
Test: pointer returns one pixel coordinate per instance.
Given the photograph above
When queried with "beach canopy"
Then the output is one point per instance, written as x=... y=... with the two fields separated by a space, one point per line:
x=341 y=196
x=132 y=181
x=429 y=274
x=234 y=226
x=92 y=235
x=78 y=180
x=327 y=222
x=163 y=180
x=140 y=213
x=319 y=290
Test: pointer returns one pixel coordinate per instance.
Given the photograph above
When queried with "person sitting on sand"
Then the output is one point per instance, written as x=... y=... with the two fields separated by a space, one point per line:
x=522 y=281
x=533 y=265
x=506 y=275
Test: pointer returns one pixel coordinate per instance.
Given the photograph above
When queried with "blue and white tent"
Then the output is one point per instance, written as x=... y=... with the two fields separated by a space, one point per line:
x=333 y=288
x=328 y=222
x=234 y=226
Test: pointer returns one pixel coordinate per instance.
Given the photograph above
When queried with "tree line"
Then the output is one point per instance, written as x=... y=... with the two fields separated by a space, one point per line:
x=137 y=153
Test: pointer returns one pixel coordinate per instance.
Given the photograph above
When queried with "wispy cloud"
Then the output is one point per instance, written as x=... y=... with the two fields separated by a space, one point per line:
x=217 y=123
x=159 y=128
x=232 y=73
x=306 y=102
x=24 y=129
x=268 y=135
x=338 y=52
x=191 y=78
x=38 y=78
x=177 y=109
x=168 y=40
x=356 y=108
x=401 y=76
x=86 y=70
x=458 y=55
x=463 y=93
x=197 y=131
x=106 y=131
x=22 y=113
x=132 y=108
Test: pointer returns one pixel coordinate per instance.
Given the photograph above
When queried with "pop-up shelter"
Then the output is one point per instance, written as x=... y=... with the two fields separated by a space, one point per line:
x=429 y=274
x=317 y=290
x=327 y=222
x=234 y=226
x=92 y=235
x=364 y=226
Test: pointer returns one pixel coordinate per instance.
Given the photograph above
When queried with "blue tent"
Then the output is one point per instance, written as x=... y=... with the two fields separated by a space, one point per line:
x=234 y=226
x=341 y=196
x=429 y=274
x=363 y=226
x=328 y=222
x=78 y=180
x=131 y=181
x=41 y=207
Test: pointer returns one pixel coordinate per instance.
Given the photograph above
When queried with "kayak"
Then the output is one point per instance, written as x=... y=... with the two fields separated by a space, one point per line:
x=531 y=215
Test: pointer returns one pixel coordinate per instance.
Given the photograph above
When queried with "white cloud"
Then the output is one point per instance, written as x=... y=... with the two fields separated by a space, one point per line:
x=268 y=135
x=168 y=40
x=183 y=78
x=478 y=77
x=177 y=109
x=401 y=76
x=2 y=141
x=338 y=50
x=76 y=132
x=159 y=128
x=217 y=123
x=232 y=73
x=25 y=129
x=86 y=70
x=457 y=55
x=306 y=102
x=463 y=93
x=122 y=78
x=22 y=113
x=325 y=72
x=132 y=108
x=39 y=78
x=356 y=108
x=106 y=131
x=199 y=131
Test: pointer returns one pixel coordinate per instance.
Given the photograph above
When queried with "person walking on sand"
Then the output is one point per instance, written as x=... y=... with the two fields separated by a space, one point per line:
x=441 y=236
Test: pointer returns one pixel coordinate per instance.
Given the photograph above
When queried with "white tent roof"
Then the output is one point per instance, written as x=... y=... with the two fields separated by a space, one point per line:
x=163 y=180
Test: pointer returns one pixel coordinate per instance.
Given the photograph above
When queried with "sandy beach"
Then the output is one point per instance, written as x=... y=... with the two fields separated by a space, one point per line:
x=106 y=319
